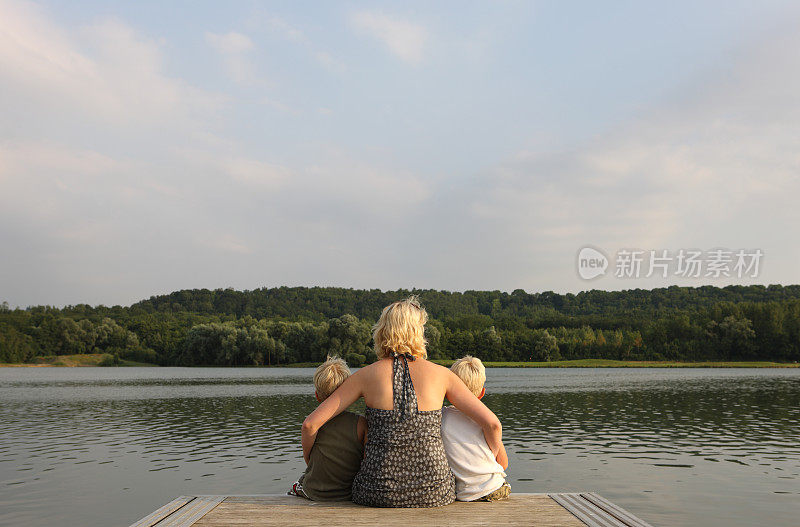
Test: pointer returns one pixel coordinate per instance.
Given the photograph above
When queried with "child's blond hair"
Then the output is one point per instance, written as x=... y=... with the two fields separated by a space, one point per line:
x=401 y=329
x=472 y=371
x=329 y=376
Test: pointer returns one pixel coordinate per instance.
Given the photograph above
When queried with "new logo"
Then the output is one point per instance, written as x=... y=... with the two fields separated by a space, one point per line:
x=591 y=263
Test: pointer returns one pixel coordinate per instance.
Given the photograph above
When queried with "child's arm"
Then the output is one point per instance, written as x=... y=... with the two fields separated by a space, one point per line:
x=502 y=457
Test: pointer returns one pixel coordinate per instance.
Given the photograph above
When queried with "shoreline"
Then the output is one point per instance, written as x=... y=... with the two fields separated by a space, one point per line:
x=94 y=360
x=610 y=363
x=82 y=360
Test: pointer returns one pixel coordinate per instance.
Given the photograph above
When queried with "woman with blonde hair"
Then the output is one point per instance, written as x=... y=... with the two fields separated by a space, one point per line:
x=404 y=462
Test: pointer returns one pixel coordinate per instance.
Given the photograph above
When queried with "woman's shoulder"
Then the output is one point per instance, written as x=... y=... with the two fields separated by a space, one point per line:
x=436 y=369
x=378 y=365
x=433 y=374
x=371 y=372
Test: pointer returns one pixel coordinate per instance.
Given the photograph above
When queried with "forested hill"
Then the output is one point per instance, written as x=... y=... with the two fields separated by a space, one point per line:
x=318 y=303
x=298 y=324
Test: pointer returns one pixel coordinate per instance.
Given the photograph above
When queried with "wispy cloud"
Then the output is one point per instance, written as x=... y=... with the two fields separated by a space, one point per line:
x=235 y=50
x=42 y=66
x=285 y=29
x=224 y=242
x=405 y=39
x=120 y=177
x=280 y=25
x=255 y=173
x=715 y=165
x=230 y=43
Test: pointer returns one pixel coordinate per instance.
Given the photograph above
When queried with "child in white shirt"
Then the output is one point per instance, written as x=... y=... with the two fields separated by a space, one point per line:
x=479 y=473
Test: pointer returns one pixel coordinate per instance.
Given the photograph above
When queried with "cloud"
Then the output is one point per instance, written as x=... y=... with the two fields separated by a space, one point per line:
x=119 y=179
x=406 y=40
x=90 y=182
x=329 y=62
x=255 y=173
x=17 y=157
x=336 y=185
x=282 y=27
x=43 y=68
x=224 y=242
x=357 y=188
x=235 y=50
x=231 y=43
x=289 y=31
x=35 y=178
x=715 y=165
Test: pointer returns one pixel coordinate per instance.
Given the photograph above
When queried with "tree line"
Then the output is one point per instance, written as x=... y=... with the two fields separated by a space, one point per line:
x=289 y=325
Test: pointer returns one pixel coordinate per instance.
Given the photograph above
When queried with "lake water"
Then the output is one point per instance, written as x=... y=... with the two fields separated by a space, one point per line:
x=106 y=446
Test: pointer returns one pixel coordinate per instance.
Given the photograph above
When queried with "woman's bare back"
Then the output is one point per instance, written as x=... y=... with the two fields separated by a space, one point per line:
x=429 y=379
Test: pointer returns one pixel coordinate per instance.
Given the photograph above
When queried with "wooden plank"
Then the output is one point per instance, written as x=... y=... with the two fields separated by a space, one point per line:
x=161 y=513
x=289 y=511
x=191 y=512
x=276 y=498
x=270 y=510
x=623 y=515
x=586 y=511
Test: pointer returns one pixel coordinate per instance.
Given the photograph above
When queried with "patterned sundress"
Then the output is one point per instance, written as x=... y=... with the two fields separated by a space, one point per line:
x=405 y=464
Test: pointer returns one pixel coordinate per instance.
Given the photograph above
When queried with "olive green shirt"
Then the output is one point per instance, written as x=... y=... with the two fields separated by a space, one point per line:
x=334 y=461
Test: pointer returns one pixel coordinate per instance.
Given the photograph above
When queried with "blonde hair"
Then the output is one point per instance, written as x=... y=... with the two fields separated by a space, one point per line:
x=401 y=329
x=472 y=371
x=329 y=376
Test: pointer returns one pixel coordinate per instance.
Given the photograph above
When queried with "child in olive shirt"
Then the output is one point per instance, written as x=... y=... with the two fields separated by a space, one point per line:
x=339 y=446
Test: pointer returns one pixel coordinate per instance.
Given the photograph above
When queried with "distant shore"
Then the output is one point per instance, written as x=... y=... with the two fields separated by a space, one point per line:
x=71 y=361
x=104 y=359
x=608 y=363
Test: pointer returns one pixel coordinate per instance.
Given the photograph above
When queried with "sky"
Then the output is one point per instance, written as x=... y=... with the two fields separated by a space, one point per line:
x=148 y=147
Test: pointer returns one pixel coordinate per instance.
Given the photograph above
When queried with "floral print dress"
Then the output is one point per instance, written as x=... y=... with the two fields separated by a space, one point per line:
x=404 y=463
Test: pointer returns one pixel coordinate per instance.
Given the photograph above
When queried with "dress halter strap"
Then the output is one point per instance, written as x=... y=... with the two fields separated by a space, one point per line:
x=407 y=356
x=405 y=400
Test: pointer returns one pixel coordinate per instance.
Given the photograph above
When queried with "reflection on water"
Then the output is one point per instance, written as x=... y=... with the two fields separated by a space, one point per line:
x=105 y=446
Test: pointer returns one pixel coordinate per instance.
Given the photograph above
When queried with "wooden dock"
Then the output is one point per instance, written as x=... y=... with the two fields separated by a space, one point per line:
x=267 y=510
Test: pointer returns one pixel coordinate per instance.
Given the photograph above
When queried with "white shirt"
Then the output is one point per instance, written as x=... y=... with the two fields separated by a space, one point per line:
x=477 y=471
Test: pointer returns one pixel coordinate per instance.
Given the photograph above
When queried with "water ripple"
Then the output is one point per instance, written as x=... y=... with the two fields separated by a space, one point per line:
x=104 y=446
